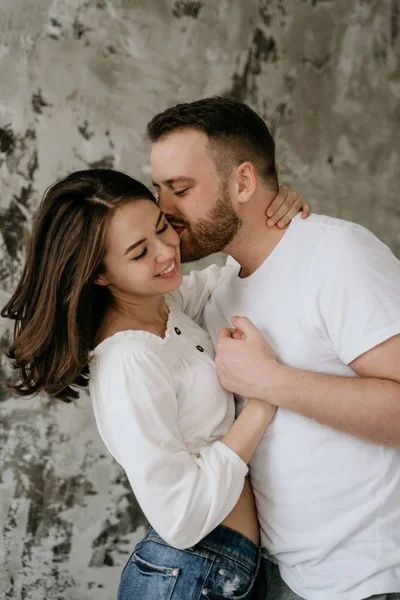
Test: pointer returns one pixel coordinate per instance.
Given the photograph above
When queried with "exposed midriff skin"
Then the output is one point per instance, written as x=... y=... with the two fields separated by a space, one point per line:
x=243 y=518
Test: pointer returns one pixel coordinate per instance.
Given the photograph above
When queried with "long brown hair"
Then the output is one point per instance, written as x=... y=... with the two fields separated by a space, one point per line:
x=56 y=306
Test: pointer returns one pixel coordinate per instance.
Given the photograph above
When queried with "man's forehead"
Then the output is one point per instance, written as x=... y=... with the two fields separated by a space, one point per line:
x=178 y=154
x=180 y=142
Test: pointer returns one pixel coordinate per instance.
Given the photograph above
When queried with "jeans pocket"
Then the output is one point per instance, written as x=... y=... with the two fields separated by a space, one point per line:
x=142 y=579
x=225 y=582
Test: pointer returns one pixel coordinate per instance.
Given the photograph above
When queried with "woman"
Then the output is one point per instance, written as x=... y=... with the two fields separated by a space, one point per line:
x=100 y=302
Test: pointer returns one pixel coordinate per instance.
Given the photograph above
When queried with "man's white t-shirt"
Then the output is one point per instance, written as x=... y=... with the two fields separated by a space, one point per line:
x=328 y=503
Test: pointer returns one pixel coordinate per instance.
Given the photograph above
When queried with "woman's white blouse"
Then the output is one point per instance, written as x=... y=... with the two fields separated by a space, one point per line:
x=161 y=411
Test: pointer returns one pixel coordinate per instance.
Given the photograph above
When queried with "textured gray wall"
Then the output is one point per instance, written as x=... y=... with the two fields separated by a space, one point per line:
x=78 y=82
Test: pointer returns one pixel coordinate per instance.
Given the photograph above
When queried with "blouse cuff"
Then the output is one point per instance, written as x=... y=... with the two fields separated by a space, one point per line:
x=232 y=457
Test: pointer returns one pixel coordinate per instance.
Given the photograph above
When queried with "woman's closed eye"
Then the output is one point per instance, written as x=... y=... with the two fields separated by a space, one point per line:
x=162 y=230
x=142 y=255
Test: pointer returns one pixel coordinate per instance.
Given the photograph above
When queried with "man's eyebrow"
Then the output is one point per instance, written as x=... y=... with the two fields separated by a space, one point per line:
x=174 y=180
x=133 y=246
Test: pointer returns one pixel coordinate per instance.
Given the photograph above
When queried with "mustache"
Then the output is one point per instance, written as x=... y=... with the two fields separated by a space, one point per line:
x=177 y=222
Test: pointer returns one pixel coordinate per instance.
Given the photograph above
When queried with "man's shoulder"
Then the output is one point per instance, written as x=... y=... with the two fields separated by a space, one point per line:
x=330 y=234
x=329 y=226
x=344 y=251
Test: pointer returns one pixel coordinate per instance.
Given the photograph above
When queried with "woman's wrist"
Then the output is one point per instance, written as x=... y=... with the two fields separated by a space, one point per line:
x=263 y=410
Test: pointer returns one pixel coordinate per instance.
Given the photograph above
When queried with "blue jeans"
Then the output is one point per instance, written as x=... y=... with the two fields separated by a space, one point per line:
x=270 y=586
x=223 y=565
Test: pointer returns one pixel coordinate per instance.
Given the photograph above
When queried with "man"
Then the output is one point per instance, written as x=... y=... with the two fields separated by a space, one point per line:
x=325 y=293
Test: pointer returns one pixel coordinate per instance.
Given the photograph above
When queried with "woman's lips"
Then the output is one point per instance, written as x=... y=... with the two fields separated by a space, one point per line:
x=171 y=273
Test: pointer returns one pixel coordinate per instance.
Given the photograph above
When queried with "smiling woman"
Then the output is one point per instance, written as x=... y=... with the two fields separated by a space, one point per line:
x=56 y=307
x=102 y=302
x=138 y=274
x=155 y=246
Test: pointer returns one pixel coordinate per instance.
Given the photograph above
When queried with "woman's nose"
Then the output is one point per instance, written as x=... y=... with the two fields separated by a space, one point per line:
x=165 y=251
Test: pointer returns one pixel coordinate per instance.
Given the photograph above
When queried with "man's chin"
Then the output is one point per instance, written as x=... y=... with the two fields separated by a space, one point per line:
x=193 y=254
x=188 y=256
x=191 y=250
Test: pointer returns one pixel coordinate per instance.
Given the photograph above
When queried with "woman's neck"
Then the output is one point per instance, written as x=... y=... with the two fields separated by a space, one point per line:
x=141 y=309
x=146 y=314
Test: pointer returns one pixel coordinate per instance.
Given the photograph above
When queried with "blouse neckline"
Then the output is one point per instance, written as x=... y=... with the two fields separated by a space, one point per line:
x=137 y=334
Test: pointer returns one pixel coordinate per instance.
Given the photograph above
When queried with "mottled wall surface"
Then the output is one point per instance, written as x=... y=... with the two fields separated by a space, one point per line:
x=78 y=82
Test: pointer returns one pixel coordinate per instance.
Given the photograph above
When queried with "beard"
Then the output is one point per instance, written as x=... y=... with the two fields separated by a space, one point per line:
x=212 y=233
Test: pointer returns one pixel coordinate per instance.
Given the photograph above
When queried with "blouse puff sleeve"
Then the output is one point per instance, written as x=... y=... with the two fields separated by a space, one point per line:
x=198 y=286
x=184 y=496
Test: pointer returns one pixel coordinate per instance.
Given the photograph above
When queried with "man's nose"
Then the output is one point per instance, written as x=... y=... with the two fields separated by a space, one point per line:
x=166 y=202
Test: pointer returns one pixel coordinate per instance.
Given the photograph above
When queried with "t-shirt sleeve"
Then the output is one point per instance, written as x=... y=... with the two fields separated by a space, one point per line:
x=354 y=288
x=183 y=495
x=198 y=286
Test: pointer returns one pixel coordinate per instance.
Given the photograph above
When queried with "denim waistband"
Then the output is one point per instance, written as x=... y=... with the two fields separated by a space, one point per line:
x=224 y=541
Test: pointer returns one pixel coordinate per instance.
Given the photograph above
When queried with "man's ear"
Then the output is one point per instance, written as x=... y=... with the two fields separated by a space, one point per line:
x=101 y=280
x=246 y=181
x=277 y=169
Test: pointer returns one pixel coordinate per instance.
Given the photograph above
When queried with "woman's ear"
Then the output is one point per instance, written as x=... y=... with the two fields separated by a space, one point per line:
x=277 y=169
x=101 y=280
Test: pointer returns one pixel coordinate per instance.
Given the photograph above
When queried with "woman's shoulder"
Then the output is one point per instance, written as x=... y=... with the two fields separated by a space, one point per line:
x=130 y=355
x=126 y=368
x=128 y=342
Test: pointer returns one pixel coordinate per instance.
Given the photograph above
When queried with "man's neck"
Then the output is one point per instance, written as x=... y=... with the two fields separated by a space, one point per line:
x=253 y=245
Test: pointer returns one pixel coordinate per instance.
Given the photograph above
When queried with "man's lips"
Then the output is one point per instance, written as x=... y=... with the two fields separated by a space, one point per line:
x=179 y=229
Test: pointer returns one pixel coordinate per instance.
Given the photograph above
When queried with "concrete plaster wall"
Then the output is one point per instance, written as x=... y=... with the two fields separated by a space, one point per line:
x=78 y=82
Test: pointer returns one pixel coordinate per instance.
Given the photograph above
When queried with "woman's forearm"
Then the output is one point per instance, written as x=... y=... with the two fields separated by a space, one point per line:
x=248 y=429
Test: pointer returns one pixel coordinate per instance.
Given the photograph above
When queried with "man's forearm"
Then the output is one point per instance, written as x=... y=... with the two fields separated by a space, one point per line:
x=365 y=407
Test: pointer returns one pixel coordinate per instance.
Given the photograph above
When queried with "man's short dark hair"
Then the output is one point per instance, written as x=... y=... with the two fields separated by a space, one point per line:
x=236 y=133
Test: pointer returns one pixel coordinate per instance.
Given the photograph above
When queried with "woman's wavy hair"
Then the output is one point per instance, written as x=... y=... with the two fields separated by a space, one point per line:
x=57 y=307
